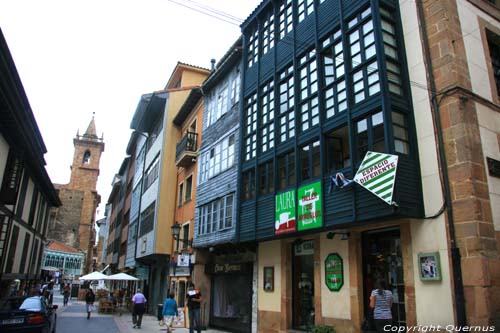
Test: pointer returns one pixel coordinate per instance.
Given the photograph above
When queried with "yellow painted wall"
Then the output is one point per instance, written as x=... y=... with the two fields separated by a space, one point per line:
x=168 y=173
x=269 y=255
x=335 y=304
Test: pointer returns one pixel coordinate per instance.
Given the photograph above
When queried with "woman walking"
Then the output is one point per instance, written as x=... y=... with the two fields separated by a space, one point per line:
x=381 y=303
x=170 y=311
x=89 y=299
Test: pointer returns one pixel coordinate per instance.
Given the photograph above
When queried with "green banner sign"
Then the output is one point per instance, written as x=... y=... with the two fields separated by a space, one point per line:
x=334 y=272
x=310 y=214
x=285 y=212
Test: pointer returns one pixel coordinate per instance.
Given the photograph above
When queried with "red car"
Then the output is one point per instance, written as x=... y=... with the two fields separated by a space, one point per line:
x=27 y=315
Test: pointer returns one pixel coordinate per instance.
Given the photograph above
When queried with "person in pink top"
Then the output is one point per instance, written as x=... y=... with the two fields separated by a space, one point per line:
x=139 y=308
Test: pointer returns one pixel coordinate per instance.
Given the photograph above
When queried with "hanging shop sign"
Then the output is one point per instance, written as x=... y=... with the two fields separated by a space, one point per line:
x=334 y=272
x=310 y=214
x=285 y=220
x=183 y=259
x=377 y=174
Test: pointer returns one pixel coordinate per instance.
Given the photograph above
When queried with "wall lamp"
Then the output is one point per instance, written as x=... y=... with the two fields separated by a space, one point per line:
x=344 y=235
x=176 y=230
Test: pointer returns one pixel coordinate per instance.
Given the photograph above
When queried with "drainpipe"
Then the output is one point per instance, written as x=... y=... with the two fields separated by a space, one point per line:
x=458 y=285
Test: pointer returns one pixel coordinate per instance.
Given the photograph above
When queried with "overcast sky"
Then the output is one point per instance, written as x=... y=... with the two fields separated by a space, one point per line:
x=77 y=57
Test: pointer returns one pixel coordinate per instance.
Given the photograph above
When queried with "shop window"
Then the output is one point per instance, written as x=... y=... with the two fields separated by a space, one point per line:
x=286 y=170
x=248 y=188
x=337 y=149
x=370 y=135
x=309 y=161
x=266 y=178
x=267 y=117
x=286 y=103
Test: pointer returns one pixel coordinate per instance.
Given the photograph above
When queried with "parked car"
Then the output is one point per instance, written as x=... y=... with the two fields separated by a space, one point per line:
x=21 y=314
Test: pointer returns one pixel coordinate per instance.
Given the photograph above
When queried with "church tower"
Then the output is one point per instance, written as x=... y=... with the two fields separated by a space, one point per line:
x=84 y=174
x=74 y=221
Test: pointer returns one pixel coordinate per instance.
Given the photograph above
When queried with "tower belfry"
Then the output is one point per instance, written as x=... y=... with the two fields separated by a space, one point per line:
x=75 y=219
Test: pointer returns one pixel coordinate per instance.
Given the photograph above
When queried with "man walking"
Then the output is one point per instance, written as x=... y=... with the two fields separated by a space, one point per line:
x=194 y=303
x=139 y=308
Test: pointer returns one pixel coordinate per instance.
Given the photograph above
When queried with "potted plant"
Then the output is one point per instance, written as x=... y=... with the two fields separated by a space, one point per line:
x=323 y=329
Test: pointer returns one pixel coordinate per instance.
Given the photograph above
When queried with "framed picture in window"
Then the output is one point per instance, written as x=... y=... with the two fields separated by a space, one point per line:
x=429 y=266
x=268 y=278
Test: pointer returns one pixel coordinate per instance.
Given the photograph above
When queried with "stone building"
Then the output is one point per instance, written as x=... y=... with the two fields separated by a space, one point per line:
x=73 y=222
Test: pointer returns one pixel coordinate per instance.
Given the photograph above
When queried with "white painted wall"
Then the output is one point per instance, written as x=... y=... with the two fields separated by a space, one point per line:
x=335 y=304
x=269 y=255
x=427 y=235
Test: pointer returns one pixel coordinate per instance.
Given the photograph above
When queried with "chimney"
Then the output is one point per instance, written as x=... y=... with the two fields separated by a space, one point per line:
x=212 y=61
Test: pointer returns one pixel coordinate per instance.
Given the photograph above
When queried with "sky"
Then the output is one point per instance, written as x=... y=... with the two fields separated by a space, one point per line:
x=77 y=58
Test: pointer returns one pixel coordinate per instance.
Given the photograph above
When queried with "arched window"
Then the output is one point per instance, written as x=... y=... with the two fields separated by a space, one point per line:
x=86 y=157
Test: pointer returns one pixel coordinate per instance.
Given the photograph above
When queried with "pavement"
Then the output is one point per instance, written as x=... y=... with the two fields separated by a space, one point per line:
x=70 y=318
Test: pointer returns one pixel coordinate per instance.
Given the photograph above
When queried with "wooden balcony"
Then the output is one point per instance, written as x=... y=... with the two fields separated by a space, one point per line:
x=186 y=150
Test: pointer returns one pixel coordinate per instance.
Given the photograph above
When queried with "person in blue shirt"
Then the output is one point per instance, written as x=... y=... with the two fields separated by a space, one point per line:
x=170 y=311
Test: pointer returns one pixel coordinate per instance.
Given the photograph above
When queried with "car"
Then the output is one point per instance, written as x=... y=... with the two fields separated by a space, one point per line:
x=21 y=314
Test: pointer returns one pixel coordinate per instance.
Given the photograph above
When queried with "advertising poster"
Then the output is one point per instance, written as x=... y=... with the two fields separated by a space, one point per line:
x=310 y=214
x=285 y=220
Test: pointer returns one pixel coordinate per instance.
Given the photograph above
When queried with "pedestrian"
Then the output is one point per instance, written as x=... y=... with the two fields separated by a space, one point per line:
x=170 y=311
x=194 y=303
x=90 y=299
x=66 y=290
x=381 y=302
x=139 y=308
x=50 y=289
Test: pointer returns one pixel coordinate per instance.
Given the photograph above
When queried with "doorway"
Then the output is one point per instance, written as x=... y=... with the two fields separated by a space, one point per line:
x=303 y=285
x=382 y=258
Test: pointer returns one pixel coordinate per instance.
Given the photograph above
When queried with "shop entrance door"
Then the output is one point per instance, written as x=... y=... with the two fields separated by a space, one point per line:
x=382 y=259
x=303 y=284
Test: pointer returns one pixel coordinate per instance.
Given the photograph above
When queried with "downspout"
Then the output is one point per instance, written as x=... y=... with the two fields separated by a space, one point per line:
x=458 y=286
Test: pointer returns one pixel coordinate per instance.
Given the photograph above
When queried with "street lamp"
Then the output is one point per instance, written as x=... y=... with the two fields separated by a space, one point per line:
x=176 y=230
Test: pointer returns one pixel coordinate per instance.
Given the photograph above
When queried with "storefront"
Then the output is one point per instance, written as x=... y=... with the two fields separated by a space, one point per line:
x=231 y=303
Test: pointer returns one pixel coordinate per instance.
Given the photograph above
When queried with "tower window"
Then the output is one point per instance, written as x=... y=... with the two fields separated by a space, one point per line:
x=86 y=157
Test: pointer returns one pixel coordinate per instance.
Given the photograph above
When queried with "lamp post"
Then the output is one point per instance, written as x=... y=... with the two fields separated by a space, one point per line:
x=176 y=230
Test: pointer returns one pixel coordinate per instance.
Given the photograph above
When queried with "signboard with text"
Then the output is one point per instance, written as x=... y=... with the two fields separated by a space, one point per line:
x=310 y=212
x=285 y=213
x=334 y=272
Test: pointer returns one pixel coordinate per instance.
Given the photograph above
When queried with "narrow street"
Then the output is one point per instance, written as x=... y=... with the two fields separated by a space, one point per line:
x=73 y=319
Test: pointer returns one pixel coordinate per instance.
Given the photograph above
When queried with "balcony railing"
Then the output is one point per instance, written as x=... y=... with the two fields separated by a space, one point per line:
x=185 y=152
